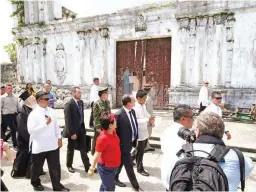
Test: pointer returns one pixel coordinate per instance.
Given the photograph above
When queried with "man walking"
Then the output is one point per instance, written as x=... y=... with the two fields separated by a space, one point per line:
x=215 y=107
x=203 y=96
x=45 y=141
x=94 y=97
x=143 y=119
x=127 y=131
x=149 y=107
x=9 y=108
x=75 y=129
x=99 y=107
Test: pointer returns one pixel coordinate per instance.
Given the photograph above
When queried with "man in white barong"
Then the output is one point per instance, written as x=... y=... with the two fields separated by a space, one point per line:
x=203 y=96
x=143 y=117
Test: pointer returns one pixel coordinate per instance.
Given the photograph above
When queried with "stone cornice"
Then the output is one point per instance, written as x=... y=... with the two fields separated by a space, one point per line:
x=89 y=23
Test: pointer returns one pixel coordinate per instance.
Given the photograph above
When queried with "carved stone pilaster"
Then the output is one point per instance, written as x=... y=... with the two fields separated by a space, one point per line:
x=183 y=28
x=190 y=51
x=200 y=46
x=230 y=43
x=209 y=56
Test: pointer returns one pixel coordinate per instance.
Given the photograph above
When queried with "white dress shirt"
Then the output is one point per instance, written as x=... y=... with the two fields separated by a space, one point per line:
x=43 y=137
x=94 y=93
x=128 y=114
x=142 y=119
x=171 y=143
x=214 y=108
x=203 y=96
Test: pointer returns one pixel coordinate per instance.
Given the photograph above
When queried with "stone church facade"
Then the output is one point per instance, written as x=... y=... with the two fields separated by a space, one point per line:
x=209 y=40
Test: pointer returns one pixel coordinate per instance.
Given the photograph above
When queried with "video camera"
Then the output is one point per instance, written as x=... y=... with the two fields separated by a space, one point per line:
x=187 y=135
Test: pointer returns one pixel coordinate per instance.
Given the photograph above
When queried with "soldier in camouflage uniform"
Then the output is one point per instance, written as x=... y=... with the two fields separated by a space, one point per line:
x=99 y=107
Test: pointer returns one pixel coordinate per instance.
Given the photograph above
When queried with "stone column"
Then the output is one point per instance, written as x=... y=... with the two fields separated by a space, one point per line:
x=209 y=56
x=33 y=12
x=199 y=49
x=218 y=49
x=191 y=51
x=80 y=57
x=230 y=43
x=43 y=60
x=41 y=11
x=184 y=27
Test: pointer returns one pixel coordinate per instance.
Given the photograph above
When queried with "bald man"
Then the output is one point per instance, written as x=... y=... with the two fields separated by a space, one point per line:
x=47 y=89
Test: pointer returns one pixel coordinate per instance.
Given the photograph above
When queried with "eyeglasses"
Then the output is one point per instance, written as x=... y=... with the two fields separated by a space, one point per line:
x=191 y=117
x=218 y=98
x=45 y=99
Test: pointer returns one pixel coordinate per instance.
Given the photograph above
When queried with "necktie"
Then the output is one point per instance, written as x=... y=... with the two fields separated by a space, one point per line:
x=134 y=131
x=80 y=109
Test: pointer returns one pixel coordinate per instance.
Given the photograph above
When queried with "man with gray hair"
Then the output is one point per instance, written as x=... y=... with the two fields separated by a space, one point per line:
x=215 y=107
x=171 y=143
x=209 y=132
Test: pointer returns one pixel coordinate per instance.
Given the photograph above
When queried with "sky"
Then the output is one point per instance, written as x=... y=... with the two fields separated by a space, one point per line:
x=82 y=7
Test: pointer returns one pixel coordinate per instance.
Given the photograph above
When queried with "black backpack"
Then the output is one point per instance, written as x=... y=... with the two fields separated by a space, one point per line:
x=194 y=173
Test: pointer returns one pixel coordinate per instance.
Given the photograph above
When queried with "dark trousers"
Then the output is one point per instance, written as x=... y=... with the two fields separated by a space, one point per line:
x=107 y=176
x=126 y=160
x=53 y=161
x=10 y=121
x=140 y=153
x=79 y=144
x=201 y=108
x=96 y=135
x=91 y=116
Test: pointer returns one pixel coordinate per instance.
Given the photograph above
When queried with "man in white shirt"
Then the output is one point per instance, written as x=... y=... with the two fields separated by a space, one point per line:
x=171 y=143
x=203 y=96
x=94 y=96
x=209 y=132
x=215 y=107
x=45 y=141
x=143 y=118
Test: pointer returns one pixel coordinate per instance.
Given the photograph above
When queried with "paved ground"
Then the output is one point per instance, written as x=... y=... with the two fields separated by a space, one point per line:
x=243 y=134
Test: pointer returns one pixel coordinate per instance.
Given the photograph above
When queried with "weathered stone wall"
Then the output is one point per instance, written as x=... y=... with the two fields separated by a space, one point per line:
x=8 y=73
x=211 y=40
x=234 y=97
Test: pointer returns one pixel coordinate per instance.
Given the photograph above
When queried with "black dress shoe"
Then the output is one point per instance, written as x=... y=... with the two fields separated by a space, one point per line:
x=138 y=189
x=150 y=149
x=71 y=169
x=38 y=188
x=43 y=173
x=119 y=183
x=143 y=172
x=64 y=189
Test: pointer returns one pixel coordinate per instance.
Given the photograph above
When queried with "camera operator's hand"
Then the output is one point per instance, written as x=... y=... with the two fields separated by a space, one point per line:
x=228 y=135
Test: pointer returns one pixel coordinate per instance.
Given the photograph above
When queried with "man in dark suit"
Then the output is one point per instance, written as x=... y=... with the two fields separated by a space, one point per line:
x=127 y=131
x=75 y=129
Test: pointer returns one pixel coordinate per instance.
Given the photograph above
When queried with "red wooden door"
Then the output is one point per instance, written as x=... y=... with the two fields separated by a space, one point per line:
x=158 y=70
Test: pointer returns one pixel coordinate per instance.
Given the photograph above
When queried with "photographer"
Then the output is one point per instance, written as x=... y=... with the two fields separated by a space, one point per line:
x=171 y=143
x=209 y=132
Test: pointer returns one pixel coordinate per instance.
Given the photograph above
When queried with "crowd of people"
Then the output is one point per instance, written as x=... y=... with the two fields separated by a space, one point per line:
x=120 y=139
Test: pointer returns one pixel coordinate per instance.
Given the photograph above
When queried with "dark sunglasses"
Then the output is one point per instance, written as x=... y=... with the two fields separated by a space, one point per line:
x=191 y=117
x=45 y=99
x=219 y=98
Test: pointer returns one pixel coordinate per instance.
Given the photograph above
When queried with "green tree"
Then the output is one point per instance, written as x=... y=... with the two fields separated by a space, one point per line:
x=12 y=52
